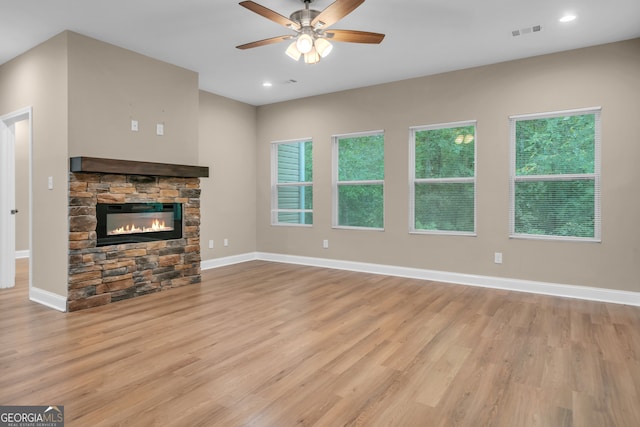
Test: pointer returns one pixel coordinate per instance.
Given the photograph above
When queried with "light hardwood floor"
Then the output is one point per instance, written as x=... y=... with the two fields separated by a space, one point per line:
x=268 y=344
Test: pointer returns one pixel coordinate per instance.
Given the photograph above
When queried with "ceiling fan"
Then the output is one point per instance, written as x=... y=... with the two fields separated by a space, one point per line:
x=312 y=35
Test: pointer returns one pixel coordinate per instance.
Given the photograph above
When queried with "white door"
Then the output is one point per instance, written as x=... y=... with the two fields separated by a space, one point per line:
x=7 y=206
x=7 y=196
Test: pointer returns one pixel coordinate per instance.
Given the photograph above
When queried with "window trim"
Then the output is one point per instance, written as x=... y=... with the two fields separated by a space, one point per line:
x=596 y=176
x=335 y=183
x=275 y=185
x=413 y=180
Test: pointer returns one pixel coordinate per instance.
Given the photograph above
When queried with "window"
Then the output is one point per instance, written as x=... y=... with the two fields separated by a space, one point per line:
x=443 y=178
x=292 y=183
x=358 y=185
x=555 y=175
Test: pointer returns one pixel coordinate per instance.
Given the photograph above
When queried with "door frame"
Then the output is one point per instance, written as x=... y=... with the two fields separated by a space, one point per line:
x=7 y=195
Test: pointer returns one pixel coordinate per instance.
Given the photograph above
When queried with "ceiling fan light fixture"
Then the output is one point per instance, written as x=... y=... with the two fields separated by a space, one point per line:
x=293 y=52
x=311 y=38
x=312 y=57
x=323 y=47
x=304 y=43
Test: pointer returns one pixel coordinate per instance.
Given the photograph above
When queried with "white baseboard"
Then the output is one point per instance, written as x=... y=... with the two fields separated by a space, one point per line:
x=518 y=285
x=230 y=260
x=48 y=299
x=23 y=254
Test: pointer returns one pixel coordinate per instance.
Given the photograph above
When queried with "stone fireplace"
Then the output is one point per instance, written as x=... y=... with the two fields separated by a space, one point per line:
x=131 y=259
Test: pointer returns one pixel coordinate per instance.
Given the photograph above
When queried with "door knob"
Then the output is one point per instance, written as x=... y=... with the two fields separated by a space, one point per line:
x=14 y=211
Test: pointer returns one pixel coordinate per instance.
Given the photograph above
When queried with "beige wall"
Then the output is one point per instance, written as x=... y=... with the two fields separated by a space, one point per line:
x=228 y=204
x=22 y=185
x=38 y=79
x=109 y=86
x=84 y=94
x=607 y=76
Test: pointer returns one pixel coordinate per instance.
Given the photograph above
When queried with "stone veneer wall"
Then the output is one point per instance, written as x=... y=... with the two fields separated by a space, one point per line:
x=101 y=275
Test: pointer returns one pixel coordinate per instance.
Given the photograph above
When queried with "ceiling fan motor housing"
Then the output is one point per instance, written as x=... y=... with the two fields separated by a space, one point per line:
x=304 y=16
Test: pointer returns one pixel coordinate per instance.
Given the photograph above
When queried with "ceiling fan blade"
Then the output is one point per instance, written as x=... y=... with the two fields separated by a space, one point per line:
x=270 y=14
x=335 y=12
x=353 y=36
x=263 y=42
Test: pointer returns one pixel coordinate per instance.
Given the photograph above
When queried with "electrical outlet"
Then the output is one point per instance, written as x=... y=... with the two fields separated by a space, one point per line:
x=210 y=244
x=226 y=242
x=134 y=125
x=325 y=244
x=160 y=129
x=497 y=257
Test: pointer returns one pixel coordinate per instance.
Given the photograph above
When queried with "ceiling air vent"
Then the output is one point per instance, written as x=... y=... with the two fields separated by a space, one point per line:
x=526 y=30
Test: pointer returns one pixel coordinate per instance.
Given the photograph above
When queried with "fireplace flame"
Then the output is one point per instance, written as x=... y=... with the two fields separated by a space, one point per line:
x=156 y=225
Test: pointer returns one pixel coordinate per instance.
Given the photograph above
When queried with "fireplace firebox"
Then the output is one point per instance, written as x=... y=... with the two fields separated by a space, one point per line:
x=137 y=222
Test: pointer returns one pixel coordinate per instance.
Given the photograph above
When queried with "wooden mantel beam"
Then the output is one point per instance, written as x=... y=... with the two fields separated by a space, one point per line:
x=130 y=167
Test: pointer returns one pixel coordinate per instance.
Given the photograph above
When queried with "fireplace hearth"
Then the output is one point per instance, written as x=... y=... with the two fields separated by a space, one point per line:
x=119 y=223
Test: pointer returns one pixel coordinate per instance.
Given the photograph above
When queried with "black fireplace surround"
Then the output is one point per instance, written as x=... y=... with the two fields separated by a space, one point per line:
x=121 y=223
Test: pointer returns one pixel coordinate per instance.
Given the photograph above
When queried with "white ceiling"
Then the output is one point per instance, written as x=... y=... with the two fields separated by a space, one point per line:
x=423 y=37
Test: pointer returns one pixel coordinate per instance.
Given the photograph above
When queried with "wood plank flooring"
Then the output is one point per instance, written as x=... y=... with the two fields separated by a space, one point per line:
x=268 y=344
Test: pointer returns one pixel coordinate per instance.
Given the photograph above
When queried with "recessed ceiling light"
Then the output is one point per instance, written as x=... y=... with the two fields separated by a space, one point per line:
x=568 y=18
x=267 y=84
